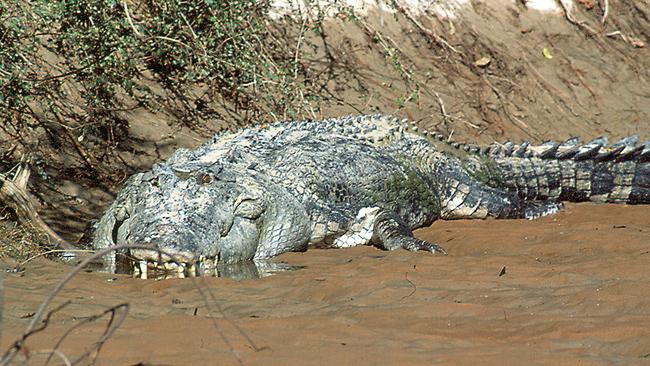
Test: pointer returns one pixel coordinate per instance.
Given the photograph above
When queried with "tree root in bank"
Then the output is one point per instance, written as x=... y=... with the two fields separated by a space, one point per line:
x=14 y=195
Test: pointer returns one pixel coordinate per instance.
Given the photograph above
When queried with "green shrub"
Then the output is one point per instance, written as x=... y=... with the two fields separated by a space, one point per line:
x=76 y=64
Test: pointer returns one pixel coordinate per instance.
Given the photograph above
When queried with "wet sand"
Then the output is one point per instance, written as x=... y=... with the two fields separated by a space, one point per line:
x=575 y=291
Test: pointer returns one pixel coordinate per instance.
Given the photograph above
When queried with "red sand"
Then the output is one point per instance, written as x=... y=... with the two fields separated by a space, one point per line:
x=575 y=291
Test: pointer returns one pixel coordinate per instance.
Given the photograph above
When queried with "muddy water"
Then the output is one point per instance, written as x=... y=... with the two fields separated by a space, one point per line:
x=576 y=290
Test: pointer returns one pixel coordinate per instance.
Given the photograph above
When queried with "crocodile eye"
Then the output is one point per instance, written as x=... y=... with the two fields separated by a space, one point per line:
x=205 y=178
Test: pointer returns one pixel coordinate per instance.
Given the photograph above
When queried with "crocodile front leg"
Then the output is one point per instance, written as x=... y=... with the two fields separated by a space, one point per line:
x=390 y=233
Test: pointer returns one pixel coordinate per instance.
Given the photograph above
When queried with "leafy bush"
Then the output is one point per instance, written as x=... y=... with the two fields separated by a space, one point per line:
x=69 y=67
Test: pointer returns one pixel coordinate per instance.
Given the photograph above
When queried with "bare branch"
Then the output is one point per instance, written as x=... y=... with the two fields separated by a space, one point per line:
x=13 y=193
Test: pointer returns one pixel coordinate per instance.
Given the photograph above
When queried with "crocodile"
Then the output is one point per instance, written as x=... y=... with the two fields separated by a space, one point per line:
x=246 y=196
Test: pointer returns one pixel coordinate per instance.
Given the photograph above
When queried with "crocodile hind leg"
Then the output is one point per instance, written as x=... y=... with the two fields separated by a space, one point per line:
x=464 y=197
x=461 y=194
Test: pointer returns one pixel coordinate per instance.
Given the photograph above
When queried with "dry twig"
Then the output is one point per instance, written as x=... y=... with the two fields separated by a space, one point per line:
x=567 y=6
x=114 y=322
x=111 y=327
x=519 y=123
x=128 y=18
x=13 y=193
x=18 y=345
x=578 y=74
x=19 y=266
x=438 y=39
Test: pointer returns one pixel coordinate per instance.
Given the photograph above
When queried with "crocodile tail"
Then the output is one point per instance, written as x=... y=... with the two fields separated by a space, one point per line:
x=569 y=171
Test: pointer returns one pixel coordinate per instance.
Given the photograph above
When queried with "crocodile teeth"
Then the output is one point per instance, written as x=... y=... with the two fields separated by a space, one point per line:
x=200 y=269
x=143 y=269
x=204 y=267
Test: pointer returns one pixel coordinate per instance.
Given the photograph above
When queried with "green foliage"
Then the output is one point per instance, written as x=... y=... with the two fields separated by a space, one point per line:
x=71 y=69
x=393 y=56
x=78 y=63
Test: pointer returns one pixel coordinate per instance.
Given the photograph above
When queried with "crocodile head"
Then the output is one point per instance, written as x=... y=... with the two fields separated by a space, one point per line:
x=206 y=215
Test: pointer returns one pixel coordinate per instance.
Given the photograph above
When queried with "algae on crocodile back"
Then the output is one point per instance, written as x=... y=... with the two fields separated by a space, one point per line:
x=485 y=170
x=409 y=187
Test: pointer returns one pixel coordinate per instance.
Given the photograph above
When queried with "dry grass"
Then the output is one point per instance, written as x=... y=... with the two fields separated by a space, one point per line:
x=18 y=241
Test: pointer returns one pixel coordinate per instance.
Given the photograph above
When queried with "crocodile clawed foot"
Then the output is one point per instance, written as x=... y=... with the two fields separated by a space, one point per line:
x=414 y=245
x=391 y=233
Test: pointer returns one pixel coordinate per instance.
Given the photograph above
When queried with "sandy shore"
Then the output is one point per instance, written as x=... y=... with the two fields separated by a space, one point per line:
x=575 y=291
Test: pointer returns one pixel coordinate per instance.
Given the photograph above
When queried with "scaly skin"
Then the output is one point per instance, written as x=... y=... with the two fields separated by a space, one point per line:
x=260 y=192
